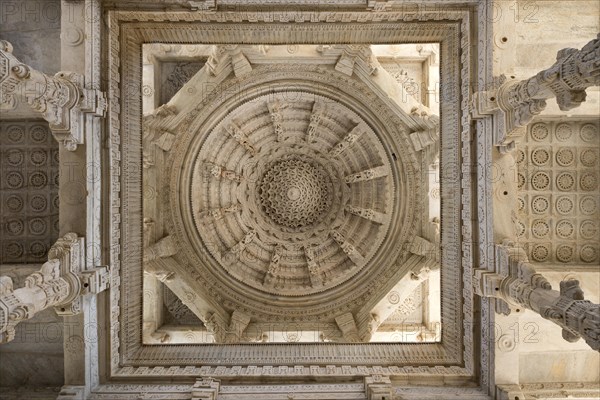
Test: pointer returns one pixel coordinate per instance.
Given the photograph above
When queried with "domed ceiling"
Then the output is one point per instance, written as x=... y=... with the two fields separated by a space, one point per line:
x=286 y=192
x=290 y=201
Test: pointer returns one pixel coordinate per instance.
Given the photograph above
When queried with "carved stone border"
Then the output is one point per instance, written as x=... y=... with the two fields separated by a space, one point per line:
x=128 y=357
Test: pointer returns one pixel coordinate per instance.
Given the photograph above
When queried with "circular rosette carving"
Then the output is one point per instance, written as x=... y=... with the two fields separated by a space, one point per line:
x=292 y=197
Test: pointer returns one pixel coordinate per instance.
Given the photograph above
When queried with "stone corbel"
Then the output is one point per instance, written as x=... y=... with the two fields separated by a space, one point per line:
x=237 y=325
x=206 y=389
x=513 y=104
x=378 y=387
x=347 y=325
x=165 y=247
x=165 y=140
x=216 y=326
x=228 y=58
x=62 y=99
x=427 y=136
x=423 y=247
x=351 y=58
x=60 y=283
x=516 y=285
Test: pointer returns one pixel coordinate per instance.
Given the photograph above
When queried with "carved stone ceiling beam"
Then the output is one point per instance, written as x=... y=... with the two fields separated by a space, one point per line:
x=389 y=303
x=197 y=299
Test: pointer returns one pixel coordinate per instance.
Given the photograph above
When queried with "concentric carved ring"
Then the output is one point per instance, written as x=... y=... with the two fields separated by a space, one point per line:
x=292 y=197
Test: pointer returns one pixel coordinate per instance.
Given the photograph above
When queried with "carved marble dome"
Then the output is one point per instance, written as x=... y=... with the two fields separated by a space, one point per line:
x=292 y=197
x=285 y=200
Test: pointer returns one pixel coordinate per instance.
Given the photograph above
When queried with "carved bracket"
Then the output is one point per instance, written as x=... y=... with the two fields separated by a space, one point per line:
x=513 y=104
x=206 y=389
x=378 y=387
x=62 y=99
x=516 y=284
x=59 y=283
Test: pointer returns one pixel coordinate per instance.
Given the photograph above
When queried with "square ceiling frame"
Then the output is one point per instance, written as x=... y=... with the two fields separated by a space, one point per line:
x=459 y=354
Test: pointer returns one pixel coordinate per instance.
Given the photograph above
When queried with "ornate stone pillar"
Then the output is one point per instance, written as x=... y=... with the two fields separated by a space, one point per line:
x=62 y=99
x=517 y=285
x=60 y=283
x=514 y=103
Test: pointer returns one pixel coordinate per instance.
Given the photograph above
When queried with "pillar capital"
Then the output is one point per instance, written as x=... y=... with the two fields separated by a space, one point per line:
x=60 y=283
x=513 y=104
x=62 y=99
x=515 y=284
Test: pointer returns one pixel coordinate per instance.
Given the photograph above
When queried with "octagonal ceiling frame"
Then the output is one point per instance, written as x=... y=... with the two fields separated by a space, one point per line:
x=455 y=356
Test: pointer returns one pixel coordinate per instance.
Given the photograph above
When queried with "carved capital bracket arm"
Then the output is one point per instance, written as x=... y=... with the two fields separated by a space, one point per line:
x=516 y=284
x=206 y=388
x=378 y=387
x=60 y=283
x=62 y=99
x=513 y=104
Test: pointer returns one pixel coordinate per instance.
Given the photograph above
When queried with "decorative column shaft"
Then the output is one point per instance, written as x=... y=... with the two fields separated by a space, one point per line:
x=62 y=99
x=516 y=284
x=59 y=283
x=515 y=103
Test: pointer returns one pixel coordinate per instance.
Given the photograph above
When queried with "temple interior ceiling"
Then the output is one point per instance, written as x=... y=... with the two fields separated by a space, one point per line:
x=291 y=194
x=366 y=199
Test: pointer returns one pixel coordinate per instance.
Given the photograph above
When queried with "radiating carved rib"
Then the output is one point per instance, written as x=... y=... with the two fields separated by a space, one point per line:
x=516 y=284
x=240 y=137
x=273 y=265
x=348 y=140
x=236 y=251
x=275 y=259
x=219 y=213
x=367 y=175
x=349 y=249
x=318 y=112
x=314 y=272
x=62 y=99
x=367 y=213
x=220 y=172
x=277 y=119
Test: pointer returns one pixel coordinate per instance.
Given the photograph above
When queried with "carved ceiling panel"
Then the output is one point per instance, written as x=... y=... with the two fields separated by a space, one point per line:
x=28 y=191
x=150 y=208
x=290 y=194
x=174 y=75
x=293 y=192
x=559 y=199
